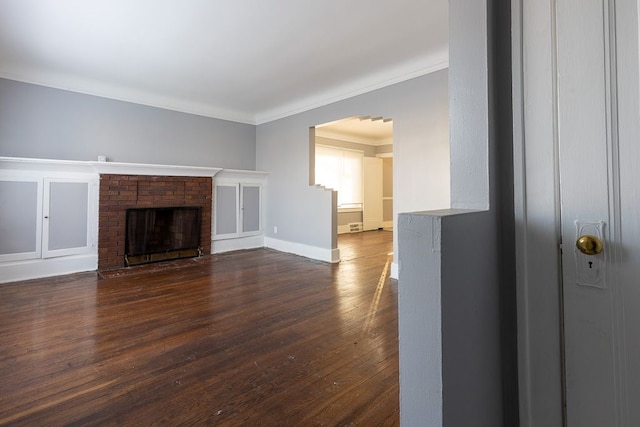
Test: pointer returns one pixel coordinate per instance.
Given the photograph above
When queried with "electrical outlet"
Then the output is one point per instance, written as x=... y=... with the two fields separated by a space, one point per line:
x=275 y=229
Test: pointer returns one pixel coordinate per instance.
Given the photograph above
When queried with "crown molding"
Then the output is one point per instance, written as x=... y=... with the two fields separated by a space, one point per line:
x=61 y=81
x=124 y=94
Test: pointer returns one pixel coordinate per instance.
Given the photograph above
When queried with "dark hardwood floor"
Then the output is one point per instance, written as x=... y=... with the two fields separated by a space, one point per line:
x=248 y=338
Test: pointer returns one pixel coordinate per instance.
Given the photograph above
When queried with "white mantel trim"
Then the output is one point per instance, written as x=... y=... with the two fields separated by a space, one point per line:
x=239 y=174
x=51 y=165
x=151 y=169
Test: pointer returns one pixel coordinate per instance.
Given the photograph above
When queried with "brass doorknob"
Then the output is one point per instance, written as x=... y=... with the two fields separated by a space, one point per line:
x=589 y=245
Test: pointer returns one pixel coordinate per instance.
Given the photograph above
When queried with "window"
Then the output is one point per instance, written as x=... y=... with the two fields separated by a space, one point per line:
x=341 y=169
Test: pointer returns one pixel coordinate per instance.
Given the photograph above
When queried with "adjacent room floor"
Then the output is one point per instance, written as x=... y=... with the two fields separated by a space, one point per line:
x=256 y=337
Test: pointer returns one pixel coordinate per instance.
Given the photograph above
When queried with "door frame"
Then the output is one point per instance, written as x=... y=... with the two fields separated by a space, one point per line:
x=537 y=213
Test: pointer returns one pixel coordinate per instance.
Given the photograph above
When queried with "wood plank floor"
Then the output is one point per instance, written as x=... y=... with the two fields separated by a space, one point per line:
x=250 y=338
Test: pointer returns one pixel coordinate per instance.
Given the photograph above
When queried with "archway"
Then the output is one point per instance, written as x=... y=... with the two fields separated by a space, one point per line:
x=354 y=156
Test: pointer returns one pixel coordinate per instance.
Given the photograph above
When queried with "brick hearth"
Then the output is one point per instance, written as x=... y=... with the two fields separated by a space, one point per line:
x=121 y=192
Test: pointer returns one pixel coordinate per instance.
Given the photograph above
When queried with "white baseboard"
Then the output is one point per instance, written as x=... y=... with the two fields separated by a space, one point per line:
x=313 y=252
x=39 y=268
x=394 y=270
x=372 y=225
x=343 y=229
x=227 y=245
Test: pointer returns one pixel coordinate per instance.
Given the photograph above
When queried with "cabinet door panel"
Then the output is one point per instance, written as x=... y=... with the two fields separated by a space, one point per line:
x=66 y=220
x=20 y=212
x=250 y=209
x=226 y=210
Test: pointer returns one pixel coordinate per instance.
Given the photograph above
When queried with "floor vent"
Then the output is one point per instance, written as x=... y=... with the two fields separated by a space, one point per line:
x=355 y=227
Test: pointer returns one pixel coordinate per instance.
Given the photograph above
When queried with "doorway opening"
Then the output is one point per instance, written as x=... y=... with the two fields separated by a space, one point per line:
x=354 y=157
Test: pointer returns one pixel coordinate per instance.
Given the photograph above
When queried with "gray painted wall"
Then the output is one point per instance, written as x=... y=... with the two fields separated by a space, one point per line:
x=344 y=218
x=420 y=320
x=471 y=356
x=41 y=122
x=419 y=109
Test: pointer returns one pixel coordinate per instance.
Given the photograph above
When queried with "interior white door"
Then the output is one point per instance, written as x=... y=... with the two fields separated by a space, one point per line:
x=372 y=204
x=598 y=139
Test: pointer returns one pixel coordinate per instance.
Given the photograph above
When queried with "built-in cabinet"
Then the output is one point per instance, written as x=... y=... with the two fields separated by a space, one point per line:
x=21 y=218
x=48 y=216
x=237 y=210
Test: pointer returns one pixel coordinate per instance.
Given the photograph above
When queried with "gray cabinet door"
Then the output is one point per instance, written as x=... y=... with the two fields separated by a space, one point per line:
x=251 y=209
x=225 y=211
x=46 y=217
x=66 y=218
x=237 y=210
x=20 y=218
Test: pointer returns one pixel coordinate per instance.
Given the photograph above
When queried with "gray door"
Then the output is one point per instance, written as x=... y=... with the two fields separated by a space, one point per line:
x=599 y=164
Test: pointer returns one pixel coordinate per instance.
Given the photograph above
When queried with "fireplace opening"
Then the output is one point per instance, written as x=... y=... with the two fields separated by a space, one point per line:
x=158 y=234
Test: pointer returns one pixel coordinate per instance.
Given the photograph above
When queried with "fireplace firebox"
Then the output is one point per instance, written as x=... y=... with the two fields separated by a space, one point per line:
x=158 y=234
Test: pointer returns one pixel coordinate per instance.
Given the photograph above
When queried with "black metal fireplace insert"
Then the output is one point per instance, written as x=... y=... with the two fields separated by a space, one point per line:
x=159 y=234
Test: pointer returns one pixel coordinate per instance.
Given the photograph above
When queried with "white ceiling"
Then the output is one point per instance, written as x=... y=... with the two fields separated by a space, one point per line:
x=250 y=61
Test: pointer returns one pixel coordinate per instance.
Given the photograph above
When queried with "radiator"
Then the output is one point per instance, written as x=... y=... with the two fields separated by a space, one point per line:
x=355 y=227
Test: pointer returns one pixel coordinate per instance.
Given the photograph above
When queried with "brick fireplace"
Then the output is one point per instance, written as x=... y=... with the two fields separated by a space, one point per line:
x=121 y=192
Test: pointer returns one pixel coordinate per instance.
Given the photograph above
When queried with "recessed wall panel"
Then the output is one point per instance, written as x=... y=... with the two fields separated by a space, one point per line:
x=67 y=219
x=250 y=208
x=18 y=217
x=226 y=209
